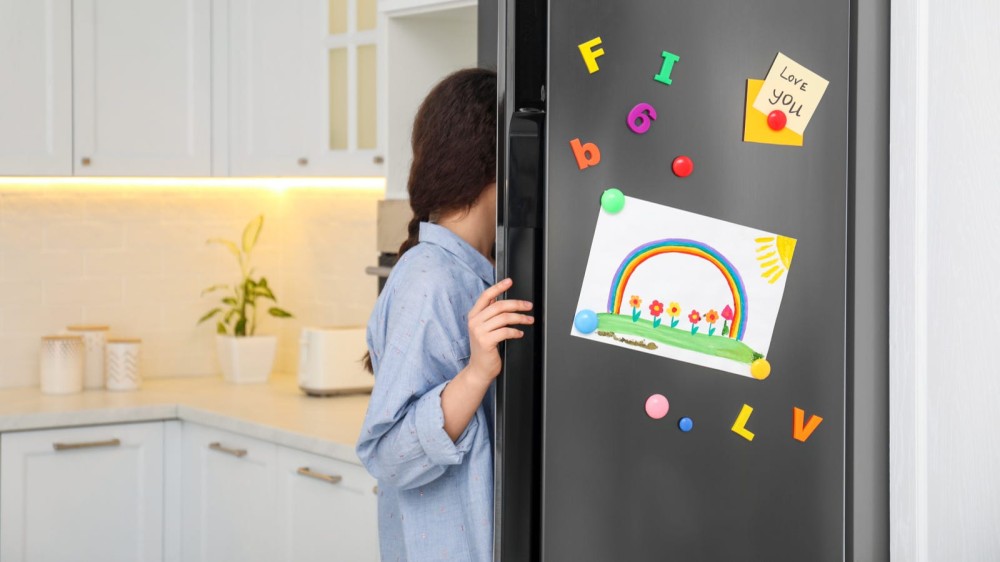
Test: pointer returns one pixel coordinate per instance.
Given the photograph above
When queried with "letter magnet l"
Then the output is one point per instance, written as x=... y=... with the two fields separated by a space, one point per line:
x=590 y=54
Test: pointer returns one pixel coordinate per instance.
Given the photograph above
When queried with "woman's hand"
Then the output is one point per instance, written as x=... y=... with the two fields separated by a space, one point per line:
x=490 y=323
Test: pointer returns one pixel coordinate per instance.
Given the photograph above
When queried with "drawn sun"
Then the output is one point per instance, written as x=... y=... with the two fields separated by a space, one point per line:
x=775 y=256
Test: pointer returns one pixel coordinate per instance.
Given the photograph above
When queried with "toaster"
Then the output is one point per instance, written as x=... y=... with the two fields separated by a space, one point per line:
x=330 y=361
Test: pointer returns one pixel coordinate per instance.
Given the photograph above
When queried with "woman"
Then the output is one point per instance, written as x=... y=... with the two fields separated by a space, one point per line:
x=433 y=338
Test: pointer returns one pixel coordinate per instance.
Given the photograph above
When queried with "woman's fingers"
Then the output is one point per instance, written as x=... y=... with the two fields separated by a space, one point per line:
x=489 y=295
x=503 y=334
x=500 y=307
x=507 y=319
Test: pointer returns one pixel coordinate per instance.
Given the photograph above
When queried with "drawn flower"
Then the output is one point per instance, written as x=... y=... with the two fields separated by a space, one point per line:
x=711 y=317
x=655 y=310
x=694 y=318
x=727 y=313
x=673 y=311
x=636 y=303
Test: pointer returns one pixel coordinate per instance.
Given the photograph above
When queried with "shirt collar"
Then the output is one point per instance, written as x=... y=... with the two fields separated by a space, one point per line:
x=441 y=236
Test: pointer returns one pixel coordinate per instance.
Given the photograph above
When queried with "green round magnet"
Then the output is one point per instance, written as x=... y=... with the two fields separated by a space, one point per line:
x=612 y=200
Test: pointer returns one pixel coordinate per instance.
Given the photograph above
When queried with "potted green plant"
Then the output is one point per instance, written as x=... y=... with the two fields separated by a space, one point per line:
x=243 y=355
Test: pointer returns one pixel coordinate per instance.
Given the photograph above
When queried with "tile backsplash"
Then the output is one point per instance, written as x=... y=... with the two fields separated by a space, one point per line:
x=136 y=258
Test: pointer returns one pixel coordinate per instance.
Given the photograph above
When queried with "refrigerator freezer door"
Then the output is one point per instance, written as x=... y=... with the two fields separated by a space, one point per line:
x=615 y=483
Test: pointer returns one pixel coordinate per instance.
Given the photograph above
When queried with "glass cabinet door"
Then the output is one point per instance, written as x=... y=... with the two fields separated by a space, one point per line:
x=351 y=80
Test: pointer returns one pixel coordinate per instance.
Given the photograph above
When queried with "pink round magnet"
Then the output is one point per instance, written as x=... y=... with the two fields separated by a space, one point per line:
x=657 y=406
x=682 y=166
x=776 y=120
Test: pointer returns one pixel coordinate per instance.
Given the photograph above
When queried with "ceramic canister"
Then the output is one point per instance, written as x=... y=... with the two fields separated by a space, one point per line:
x=122 y=363
x=94 y=338
x=62 y=364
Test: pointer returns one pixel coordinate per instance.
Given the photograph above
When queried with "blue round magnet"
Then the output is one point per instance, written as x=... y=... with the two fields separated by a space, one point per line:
x=685 y=424
x=585 y=321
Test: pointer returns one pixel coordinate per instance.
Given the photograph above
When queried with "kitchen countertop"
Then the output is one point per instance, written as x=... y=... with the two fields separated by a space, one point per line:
x=276 y=411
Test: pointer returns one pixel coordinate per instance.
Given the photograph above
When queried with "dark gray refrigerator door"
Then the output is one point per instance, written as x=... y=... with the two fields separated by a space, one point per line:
x=615 y=484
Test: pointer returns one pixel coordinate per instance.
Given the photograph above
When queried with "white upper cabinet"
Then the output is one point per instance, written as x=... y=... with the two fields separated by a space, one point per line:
x=36 y=96
x=423 y=41
x=273 y=93
x=142 y=87
x=301 y=88
x=90 y=493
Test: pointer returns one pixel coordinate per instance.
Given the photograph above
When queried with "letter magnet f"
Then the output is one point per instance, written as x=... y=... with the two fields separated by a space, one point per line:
x=590 y=54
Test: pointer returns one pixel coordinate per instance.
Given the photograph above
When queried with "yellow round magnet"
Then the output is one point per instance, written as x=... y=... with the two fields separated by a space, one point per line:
x=760 y=369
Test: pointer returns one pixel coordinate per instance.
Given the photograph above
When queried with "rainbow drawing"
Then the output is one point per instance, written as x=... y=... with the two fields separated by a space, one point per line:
x=692 y=248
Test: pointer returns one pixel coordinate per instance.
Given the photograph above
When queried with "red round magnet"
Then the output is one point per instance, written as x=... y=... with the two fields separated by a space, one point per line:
x=682 y=166
x=776 y=120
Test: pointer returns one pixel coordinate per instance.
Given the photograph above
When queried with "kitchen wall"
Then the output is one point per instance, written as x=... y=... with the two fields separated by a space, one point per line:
x=135 y=257
x=944 y=379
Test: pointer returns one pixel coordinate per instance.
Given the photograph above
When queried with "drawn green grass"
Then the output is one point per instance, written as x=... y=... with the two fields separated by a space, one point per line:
x=718 y=346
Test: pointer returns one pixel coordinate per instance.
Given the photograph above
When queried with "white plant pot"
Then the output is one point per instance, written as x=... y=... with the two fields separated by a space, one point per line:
x=246 y=359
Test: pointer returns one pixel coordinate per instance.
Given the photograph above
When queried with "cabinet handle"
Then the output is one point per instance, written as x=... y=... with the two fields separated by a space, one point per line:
x=303 y=161
x=331 y=478
x=378 y=159
x=375 y=490
x=85 y=161
x=234 y=452
x=86 y=445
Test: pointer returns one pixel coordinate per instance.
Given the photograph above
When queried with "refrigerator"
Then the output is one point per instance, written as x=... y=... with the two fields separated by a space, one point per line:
x=584 y=470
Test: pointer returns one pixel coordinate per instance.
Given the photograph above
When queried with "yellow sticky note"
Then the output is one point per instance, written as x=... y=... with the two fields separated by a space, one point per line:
x=755 y=127
x=792 y=88
x=739 y=426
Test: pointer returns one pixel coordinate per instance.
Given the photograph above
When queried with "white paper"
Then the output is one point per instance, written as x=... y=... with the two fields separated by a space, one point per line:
x=792 y=88
x=685 y=256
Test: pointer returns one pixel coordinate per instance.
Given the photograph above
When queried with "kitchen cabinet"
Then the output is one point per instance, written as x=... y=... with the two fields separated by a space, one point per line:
x=228 y=496
x=327 y=509
x=238 y=491
x=36 y=105
x=423 y=41
x=302 y=88
x=142 y=88
x=86 y=493
x=190 y=88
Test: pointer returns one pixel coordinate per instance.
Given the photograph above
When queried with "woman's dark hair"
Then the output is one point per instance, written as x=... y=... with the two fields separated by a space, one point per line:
x=454 y=150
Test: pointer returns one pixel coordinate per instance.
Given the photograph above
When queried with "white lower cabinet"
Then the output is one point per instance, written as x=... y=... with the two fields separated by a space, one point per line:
x=87 y=493
x=326 y=509
x=228 y=497
x=178 y=491
x=248 y=500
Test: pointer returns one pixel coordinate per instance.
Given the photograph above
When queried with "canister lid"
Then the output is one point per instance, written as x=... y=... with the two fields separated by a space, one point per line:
x=62 y=337
x=124 y=340
x=87 y=328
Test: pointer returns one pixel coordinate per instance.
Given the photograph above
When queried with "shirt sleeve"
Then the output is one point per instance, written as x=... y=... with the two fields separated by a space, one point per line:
x=403 y=442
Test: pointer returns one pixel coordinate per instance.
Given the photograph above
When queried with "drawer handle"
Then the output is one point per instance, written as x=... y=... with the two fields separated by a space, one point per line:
x=303 y=161
x=85 y=161
x=86 y=445
x=331 y=478
x=240 y=453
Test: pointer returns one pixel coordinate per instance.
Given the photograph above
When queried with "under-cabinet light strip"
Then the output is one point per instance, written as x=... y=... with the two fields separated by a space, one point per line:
x=272 y=184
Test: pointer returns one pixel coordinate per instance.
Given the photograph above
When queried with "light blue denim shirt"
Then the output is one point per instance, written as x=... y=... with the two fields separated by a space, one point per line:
x=435 y=496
